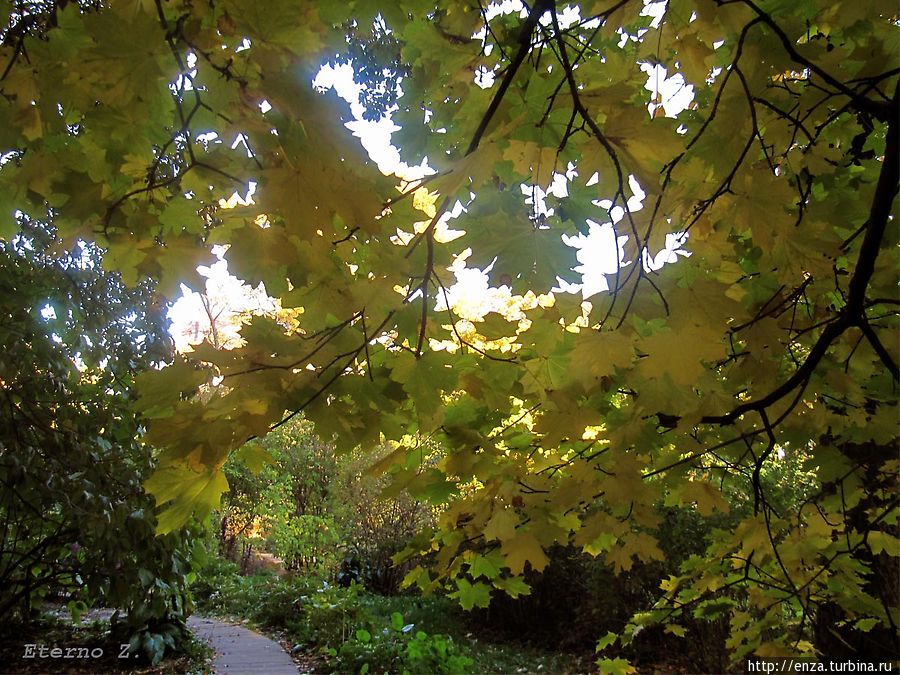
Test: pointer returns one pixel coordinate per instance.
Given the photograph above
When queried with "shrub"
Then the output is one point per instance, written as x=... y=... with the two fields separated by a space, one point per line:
x=76 y=521
x=315 y=612
x=376 y=525
x=400 y=648
x=215 y=573
x=330 y=615
x=306 y=541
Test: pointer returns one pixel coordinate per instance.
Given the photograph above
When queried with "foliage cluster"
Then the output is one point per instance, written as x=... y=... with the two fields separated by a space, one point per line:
x=578 y=596
x=279 y=498
x=400 y=648
x=328 y=621
x=75 y=519
x=318 y=510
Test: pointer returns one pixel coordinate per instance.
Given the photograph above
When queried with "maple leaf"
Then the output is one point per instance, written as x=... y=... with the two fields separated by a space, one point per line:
x=502 y=525
x=531 y=160
x=185 y=493
x=472 y=595
x=513 y=586
x=524 y=548
x=487 y=566
x=254 y=456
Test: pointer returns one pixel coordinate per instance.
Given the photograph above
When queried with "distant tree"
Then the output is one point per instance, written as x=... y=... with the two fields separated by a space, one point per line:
x=218 y=312
x=317 y=508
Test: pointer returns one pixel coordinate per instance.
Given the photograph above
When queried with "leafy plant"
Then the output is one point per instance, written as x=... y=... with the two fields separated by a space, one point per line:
x=77 y=523
x=317 y=509
x=305 y=540
x=377 y=522
x=333 y=622
x=400 y=648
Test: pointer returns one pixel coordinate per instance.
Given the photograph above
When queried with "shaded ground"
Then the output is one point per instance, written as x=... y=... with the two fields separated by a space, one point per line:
x=56 y=646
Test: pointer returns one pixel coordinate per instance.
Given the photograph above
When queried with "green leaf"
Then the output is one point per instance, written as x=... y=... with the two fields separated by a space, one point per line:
x=254 y=455
x=185 y=493
x=675 y=629
x=513 y=586
x=865 y=625
x=606 y=641
x=615 y=667
x=424 y=379
x=883 y=542
x=160 y=390
x=471 y=595
x=487 y=566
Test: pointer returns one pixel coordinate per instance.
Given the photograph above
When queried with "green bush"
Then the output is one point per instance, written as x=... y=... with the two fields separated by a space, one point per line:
x=280 y=603
x=306 y=541
x=313 y=611
x=211 y=577
x=358 y=631
x=220 y=589
x=330 y=615
x=76 y=521
x=398 y=649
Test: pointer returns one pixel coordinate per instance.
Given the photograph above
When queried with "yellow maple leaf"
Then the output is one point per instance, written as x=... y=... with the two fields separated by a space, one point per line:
x=522 y=548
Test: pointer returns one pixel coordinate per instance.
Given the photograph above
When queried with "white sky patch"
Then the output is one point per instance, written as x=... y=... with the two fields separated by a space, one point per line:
x=600 y=252
x=567 y=17
x=675 y=242
x=536 y=196
x=655 y=9
x=484 y=78
x=374 y=136
x=635 y=201
x=472 y=296
x=227 y=298
x=496 y=9
x=672 y=93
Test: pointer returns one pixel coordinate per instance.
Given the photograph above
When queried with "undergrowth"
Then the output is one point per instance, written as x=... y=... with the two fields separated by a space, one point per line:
x=354 y=631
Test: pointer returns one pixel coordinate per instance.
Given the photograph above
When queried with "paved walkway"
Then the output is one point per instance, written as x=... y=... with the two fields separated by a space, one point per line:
x=240 y=651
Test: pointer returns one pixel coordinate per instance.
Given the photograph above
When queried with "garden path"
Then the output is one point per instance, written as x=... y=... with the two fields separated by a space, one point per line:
x=240 y=651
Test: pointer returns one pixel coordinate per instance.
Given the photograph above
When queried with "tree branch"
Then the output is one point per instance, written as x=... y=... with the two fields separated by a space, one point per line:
x=524 y=40
x=880 y=349
x=853 y=314
x=879 y=110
